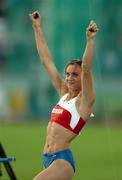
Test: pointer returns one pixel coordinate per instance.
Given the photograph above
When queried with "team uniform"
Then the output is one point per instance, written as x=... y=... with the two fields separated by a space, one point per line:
x=65 y=154
x=65 y=114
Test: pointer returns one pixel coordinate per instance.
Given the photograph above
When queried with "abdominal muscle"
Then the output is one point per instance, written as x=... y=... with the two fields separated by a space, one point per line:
x=58 y=138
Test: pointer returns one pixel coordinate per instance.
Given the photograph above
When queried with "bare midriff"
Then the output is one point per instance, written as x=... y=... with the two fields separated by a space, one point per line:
x=58 y=138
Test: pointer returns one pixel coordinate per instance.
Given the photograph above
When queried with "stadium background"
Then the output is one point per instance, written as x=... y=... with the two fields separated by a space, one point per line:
x=26 y=94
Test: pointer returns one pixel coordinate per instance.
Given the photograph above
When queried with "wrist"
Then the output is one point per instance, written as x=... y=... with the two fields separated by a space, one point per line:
x=90 y=40
x=36 y=26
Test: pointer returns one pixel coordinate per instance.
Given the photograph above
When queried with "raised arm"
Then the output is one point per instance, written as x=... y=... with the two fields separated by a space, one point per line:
x=88 y=94
x=44 y=53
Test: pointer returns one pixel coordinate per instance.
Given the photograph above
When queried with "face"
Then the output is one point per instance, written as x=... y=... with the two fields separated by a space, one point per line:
x=73 y=77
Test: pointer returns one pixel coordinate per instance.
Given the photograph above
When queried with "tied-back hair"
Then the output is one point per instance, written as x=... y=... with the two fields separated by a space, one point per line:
x=73 y=62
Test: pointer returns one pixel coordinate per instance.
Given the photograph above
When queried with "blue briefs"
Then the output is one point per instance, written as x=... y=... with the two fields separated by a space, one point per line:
x=65 y=154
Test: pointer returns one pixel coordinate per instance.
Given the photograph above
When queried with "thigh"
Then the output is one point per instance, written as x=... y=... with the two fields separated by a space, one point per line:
x=59 y=170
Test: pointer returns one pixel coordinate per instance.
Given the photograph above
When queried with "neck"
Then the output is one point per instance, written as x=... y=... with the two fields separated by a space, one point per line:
x=72 y=94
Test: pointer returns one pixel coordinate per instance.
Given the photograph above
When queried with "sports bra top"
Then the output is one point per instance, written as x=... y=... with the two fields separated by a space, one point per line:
x=65 y=114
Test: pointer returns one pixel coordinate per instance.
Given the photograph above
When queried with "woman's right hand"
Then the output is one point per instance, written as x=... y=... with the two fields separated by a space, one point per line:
x=35 y=18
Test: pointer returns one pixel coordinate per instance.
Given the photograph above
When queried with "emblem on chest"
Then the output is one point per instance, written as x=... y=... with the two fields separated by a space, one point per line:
x=57 y=111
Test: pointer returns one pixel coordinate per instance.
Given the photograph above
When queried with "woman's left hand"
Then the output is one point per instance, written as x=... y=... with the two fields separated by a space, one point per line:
x=92 y=29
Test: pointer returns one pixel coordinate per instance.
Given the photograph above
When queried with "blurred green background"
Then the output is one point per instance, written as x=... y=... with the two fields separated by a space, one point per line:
x=27 y=95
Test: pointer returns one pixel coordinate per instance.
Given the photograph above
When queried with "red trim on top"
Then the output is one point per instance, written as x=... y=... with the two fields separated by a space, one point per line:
x=63 y=117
